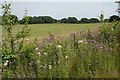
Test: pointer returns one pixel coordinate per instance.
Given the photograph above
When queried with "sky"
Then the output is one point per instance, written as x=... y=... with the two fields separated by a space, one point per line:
x=60 y=0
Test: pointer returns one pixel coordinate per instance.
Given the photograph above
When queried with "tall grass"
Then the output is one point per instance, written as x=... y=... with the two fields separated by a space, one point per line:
x=79 y=55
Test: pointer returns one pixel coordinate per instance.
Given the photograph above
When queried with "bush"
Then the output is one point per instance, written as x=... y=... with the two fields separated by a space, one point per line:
x=114 y=18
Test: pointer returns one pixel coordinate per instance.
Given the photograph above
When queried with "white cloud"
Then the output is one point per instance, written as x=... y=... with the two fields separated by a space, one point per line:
x=60 y=0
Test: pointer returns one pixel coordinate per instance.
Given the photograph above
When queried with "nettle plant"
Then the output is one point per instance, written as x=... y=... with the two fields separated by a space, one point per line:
x=13 y=43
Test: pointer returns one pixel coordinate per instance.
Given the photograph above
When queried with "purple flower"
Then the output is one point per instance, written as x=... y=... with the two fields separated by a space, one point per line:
x=44 y=66
x=35 y=62
x=24 y=76
x=112 y=73
x=41 y=66
x=18 y=76
x=97 y=61
x=41 y=45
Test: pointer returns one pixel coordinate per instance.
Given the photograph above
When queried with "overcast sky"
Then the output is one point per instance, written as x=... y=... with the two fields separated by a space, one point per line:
x=60 y=0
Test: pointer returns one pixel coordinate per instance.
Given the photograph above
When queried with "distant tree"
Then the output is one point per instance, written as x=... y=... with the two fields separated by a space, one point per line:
x=72 y=20
x=39 y=20
x=64 y=20
x=94 y=20
x=114 y=17
x=84 y=20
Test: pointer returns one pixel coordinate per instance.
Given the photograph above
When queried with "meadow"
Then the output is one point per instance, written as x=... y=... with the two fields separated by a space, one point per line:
x=88 y=51
x=42 y=30
x=82 y=54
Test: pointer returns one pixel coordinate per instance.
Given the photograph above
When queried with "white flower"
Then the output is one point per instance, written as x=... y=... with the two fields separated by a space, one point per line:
x=66 y=57
x=66 y=36
x=85 y=42
x=50 y=44
x=15 y=45
x=27 y=39
x=6 y=63
x=58 y=61
x=59 y=46
x=36 y=48
x=38 y=61
x=39 y=53
x=3 y=39
x=50 y=67
x=80 y=41
x=45 y=53
x=15 y=42
x=101 y=47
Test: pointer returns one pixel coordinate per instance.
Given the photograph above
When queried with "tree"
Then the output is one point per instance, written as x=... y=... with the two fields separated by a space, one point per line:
x=113 y=18
x=94 y=20
x=64 y=20
x=84 y=20
x=72 y=20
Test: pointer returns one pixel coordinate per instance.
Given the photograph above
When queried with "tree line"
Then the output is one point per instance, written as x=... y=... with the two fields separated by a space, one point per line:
x=48 y=19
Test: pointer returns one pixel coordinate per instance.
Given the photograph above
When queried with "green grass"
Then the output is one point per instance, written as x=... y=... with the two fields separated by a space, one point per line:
x=42 y=30
x=0 y=32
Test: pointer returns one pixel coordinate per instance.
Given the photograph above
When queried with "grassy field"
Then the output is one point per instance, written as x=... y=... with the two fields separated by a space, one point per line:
x=42 y=30
x=0 y=32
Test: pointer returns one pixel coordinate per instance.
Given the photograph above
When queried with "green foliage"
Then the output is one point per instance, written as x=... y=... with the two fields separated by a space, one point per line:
x=72 y=20
x=39 y=20
x=84 y=20
x=101 y=17
x=0 y=20
x=64 y=20
x=94 y=20
x=14 y=18
x=114 y=18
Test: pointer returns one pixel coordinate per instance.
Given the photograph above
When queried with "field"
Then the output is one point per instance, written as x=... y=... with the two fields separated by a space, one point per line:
x=42 y=30
x=77 y=53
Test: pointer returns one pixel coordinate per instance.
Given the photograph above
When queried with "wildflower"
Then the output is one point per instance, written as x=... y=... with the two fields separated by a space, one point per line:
x=24 y=76
x=3 y=39
x=41 y=66
x=36 y=48
x=59 y=46
x=35 y=62
x=15 y=42
x=45 y=53
x=58 y=61
x=6 y=63
x=44 y=66
x=39 y=53
x=30 y=63
x=27 y=39
x=66 y=36
x=85 y=42
x=38 y=61
x=80 y=41
x=84 y=39
x=50 y=44
x=15 y=45
x=50 y=67
x=101 y=47
x=66 y=57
